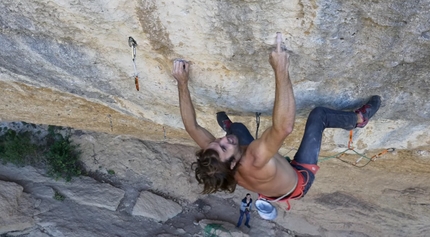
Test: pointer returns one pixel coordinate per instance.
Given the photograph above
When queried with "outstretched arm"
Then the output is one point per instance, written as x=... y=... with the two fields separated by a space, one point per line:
x=200 y=135
x=284 y=109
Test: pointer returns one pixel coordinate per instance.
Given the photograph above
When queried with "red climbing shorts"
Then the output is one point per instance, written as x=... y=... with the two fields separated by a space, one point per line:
x=306 y=175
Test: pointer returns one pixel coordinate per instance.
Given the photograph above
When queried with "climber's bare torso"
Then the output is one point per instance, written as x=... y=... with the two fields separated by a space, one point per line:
x=276 y=178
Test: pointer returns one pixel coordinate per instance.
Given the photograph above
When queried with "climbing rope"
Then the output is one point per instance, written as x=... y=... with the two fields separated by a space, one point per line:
x=133 y=44
x=361 y=156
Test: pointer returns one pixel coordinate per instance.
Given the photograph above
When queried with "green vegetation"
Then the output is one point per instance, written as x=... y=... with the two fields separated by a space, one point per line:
x=111 y=172
x=58 y=196
x=54 y=151
x=17 y=148
x=62 y=156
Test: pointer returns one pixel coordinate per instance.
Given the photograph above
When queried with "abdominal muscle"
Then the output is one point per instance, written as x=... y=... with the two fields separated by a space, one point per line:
x=274 y=179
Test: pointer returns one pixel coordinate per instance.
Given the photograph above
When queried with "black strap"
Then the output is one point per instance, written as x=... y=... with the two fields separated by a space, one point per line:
x=257 y=120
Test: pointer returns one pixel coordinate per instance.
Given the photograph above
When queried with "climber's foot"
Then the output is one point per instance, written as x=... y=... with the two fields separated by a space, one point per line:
x=368 y=110
x=223 y=121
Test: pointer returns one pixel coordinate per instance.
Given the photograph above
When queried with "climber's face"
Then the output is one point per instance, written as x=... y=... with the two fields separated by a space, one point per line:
x=226 y=147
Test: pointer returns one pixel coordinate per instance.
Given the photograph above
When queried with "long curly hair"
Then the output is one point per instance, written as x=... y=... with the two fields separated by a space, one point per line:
x=212 y=173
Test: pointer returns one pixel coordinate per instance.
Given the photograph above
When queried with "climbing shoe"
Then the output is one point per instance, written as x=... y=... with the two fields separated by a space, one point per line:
x=368 y=110
x=223 y=121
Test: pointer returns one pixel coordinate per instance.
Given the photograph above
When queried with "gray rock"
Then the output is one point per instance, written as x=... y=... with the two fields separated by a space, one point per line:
x=206 y=209
x=166 y=235
x=83 y=190
x=181 y=231
x=87 y=191
x=155 y=207
x=220 y=228
x=15 y=214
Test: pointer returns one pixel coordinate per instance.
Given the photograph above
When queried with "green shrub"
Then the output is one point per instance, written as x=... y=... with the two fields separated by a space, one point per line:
x=17 y=148
x=63 y=157
x=58 y=196
x=55 y=151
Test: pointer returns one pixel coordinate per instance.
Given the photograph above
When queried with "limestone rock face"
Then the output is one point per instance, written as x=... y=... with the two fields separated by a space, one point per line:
x=100 y=195
x=15 y=208
x=164 y=166
x=69 y=63
x=155 y=207
x=154 y=193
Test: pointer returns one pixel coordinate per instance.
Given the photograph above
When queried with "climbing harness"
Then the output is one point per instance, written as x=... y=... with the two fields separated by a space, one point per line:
x=296 y=193
x=351 y=148
x=257 y=120
x=132 y=43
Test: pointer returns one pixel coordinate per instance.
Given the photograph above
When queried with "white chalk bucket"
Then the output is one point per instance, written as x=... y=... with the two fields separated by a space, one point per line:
x=265 y=209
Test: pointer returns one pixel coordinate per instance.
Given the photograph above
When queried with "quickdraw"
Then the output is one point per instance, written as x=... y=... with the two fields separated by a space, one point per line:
x=257 y=120
x=132 y=43
x=373 y=158
x=350 y=141
x=136 y=82
x=351 y=148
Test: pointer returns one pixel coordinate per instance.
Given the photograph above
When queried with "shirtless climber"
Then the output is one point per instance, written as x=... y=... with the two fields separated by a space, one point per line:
x=256 y=165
